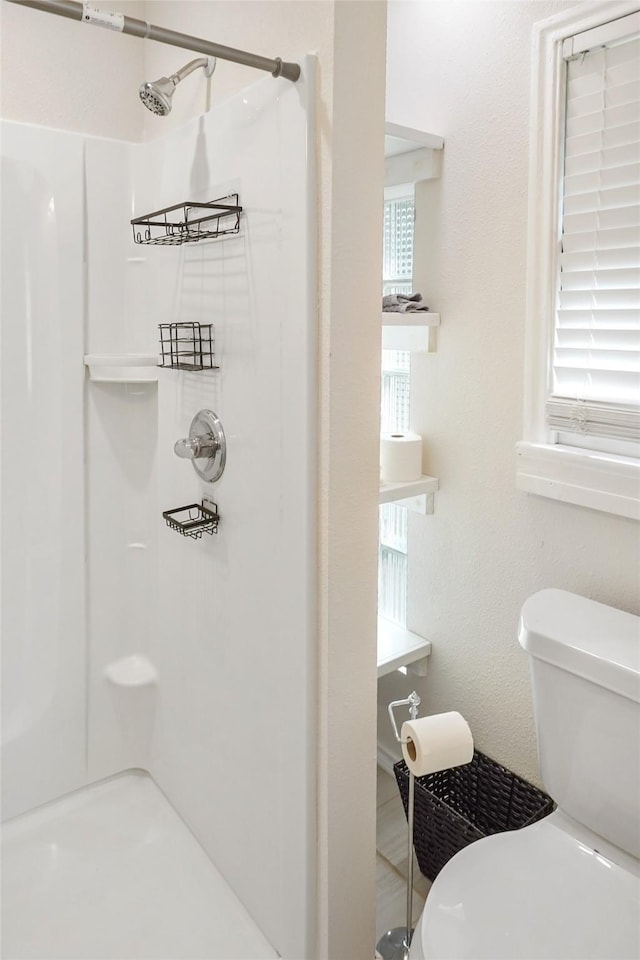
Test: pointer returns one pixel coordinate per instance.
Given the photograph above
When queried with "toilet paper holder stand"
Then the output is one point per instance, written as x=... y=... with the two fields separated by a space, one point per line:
x=395 y=943
x=413 y=702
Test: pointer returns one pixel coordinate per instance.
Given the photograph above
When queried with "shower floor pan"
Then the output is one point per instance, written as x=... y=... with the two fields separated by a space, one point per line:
x=112 y=873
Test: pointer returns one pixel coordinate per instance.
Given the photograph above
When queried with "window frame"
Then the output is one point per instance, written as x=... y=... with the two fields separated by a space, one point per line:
x=584 y=476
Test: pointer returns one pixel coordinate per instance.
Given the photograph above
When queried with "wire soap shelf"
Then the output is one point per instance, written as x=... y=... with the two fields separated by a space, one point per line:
x=194 y=519
x=189 y=222
x=187 y=346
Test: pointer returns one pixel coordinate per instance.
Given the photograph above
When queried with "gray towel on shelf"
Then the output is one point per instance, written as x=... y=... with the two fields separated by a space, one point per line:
x=402 y=303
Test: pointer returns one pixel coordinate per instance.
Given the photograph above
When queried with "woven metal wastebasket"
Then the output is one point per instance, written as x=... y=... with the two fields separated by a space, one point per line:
x=455 y=807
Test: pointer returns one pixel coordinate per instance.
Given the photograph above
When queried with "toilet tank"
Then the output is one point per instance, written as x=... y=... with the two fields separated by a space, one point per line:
x=585 y=673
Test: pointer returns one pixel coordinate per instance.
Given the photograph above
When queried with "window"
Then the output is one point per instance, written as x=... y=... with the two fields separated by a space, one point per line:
x=397 y=265
x=397 y=277
x=582 y=406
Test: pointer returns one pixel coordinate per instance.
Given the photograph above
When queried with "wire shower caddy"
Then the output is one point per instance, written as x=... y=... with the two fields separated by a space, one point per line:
x=189 y=222
x=187 y=346
x=194 y=519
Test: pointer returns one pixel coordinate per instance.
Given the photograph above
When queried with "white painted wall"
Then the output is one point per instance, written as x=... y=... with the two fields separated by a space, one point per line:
x=60 y=73
x=461 y=69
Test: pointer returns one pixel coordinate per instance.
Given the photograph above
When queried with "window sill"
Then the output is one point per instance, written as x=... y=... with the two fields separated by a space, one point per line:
x=583 y=477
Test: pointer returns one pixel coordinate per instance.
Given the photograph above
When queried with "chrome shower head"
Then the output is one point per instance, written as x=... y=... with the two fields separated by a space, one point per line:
x=157 y=94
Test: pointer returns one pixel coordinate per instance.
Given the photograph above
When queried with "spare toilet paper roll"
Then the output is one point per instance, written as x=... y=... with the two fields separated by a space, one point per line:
x=400 y=457
x=436 y=743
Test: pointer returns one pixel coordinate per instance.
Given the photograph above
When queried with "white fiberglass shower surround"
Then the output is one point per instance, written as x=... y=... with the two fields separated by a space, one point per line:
x=141 y=666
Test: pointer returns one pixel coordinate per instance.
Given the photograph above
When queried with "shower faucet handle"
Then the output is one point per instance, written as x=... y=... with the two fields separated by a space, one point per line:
x=206 y=446
x=196 y=448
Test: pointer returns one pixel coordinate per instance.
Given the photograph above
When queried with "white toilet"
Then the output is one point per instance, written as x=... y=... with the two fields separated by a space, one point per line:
x=567 y=886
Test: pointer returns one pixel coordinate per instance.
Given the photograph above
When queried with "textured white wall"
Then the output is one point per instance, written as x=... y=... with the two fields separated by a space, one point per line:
x=462 y=69
x=60 y=73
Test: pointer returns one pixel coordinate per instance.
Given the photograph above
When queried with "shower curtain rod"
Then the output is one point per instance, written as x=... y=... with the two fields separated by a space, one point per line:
x=140 y=28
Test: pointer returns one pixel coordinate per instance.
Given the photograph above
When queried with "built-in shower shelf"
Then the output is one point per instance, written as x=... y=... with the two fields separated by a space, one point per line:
x=122 y=367
x=399 y=647
x=189 y=222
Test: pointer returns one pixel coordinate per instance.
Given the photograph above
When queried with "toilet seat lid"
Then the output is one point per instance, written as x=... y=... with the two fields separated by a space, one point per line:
x=537 y=893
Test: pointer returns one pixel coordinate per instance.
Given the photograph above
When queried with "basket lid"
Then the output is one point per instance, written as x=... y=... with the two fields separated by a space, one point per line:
x=538 y=893
x=586 y=638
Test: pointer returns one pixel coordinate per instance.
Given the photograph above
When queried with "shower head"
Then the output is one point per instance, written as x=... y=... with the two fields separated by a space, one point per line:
x=157 y=94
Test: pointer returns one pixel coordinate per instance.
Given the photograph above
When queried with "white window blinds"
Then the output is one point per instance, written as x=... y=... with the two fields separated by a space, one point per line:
x=595 y=367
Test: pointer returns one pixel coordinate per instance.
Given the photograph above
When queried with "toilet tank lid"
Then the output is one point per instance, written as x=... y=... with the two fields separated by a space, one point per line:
x=590 y=639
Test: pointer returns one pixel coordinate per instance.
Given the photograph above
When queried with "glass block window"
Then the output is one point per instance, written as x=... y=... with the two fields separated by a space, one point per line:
x=397 y=265
x=392 y=563
x=399 y=211
x=394 y=412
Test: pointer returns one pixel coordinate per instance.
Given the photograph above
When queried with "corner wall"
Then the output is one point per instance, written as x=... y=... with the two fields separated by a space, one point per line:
x=461 y=69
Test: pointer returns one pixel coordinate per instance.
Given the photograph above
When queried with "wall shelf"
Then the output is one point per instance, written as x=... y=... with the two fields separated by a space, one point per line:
x=122 y=367
x=399 y=647
x=415 y=495
x=401 y=139
x=408 y=331
x=410 y=155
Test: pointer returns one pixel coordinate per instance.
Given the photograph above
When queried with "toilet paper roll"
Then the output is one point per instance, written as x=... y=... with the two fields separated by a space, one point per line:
x=400 y=457
x=436 y=743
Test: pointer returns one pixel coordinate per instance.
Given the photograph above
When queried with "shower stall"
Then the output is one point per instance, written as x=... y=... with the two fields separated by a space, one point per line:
x=158 y=742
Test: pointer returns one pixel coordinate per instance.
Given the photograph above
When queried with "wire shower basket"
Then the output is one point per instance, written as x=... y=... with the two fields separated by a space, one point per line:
x=189 y=222
x=194 y=519
x=187 y=346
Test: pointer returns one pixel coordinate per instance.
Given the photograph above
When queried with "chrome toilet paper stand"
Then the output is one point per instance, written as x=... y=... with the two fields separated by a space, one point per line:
x=395 y=943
